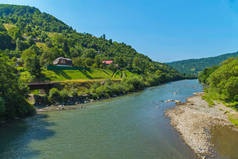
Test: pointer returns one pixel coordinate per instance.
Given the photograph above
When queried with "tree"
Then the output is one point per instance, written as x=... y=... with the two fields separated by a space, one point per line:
x=222 y=81
x=138 y=65
x=13 y=91
x=54 y=95
x=75 y=52
x=89 y=62
x=5 y=41
x=89 y=53
x=43 y=36
x=203 y=76
x=31 y=62
x=120 y=62
x=30 y=41
x=49 y=55
x=79 y=62
x=103 y=36
x=14 y=32
x=230 y=88
x=20 y=45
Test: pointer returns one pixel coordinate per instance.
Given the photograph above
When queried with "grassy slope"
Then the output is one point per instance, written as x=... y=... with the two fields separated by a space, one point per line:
x=93 y=74
x=9 y=26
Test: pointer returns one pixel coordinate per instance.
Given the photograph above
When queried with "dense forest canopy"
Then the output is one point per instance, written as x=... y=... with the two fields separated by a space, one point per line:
x=194 y=66
x=222 y=81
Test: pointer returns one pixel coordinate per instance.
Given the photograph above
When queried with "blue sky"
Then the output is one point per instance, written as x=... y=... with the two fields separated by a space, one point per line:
x=165 y=30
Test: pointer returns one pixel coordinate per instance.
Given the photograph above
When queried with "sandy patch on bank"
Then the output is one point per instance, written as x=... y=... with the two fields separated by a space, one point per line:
x=194 y=120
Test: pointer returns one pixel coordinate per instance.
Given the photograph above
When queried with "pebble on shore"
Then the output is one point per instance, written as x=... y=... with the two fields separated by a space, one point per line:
x=194 y=119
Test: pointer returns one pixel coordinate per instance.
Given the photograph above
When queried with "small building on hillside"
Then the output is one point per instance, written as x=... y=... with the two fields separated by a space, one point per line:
x=61 y=61
x=19 y=62
x=107 y=62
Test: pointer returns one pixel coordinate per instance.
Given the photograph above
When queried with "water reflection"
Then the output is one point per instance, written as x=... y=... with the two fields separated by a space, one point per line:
x=16 y=137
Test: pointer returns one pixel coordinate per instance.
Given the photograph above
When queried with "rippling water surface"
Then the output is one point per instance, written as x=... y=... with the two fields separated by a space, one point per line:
x=128 y=127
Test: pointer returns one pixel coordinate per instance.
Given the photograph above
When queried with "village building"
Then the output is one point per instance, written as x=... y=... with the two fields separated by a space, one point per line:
x=19 y=62
x=107 y=62
x=61 y=61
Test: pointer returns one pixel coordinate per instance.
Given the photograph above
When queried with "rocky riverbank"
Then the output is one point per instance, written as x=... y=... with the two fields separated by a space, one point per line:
x=62 y=107
x=194 y=120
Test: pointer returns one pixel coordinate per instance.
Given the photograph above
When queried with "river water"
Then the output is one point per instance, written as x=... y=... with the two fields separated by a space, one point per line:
x=128 y=127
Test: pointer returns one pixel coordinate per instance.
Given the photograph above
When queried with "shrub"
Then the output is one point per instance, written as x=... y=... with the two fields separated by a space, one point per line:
x=36 y=92
x=54 y=95
x=74 y=93
x=95 y=85
x=152 y=80
x=100 y=92
x=118 y=89
x=134 y=83
x=64 y=95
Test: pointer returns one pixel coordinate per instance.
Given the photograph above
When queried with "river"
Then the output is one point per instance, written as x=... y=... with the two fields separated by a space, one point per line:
x=128 y=127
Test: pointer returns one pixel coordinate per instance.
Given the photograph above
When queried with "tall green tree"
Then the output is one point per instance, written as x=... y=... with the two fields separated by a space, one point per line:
x=5 y=41
x=31 y=62
x=49 y=55
x=13 y=92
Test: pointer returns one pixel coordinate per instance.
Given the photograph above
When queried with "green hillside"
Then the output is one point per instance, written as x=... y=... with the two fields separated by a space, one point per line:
x=31 y=40
x=36 y=39
x=30 y=18
x=194 y=66
x=222 y=82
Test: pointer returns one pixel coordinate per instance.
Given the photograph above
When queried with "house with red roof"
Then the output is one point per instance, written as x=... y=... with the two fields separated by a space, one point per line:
x=107 y=62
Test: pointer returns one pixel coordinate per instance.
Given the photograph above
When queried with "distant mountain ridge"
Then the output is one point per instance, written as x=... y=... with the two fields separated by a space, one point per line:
x=194 y=66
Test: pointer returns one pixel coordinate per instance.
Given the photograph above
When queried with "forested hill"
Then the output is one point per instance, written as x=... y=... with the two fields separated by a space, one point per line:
x=194 y=66
x=30 y=19
x=222 y=82
x=31 y=40
x=30 y=35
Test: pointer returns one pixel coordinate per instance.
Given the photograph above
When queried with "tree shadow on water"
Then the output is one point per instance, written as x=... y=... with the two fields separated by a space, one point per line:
x=16 y=138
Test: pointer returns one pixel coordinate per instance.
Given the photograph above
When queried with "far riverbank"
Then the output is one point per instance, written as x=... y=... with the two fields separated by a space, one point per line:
x=42 y=104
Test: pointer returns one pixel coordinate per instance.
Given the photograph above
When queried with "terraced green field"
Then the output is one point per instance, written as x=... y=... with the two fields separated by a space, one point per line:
x=92 y=74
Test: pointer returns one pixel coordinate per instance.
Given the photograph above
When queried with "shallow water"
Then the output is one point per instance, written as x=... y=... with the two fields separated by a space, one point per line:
x=128 y=127
x=226 y=142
